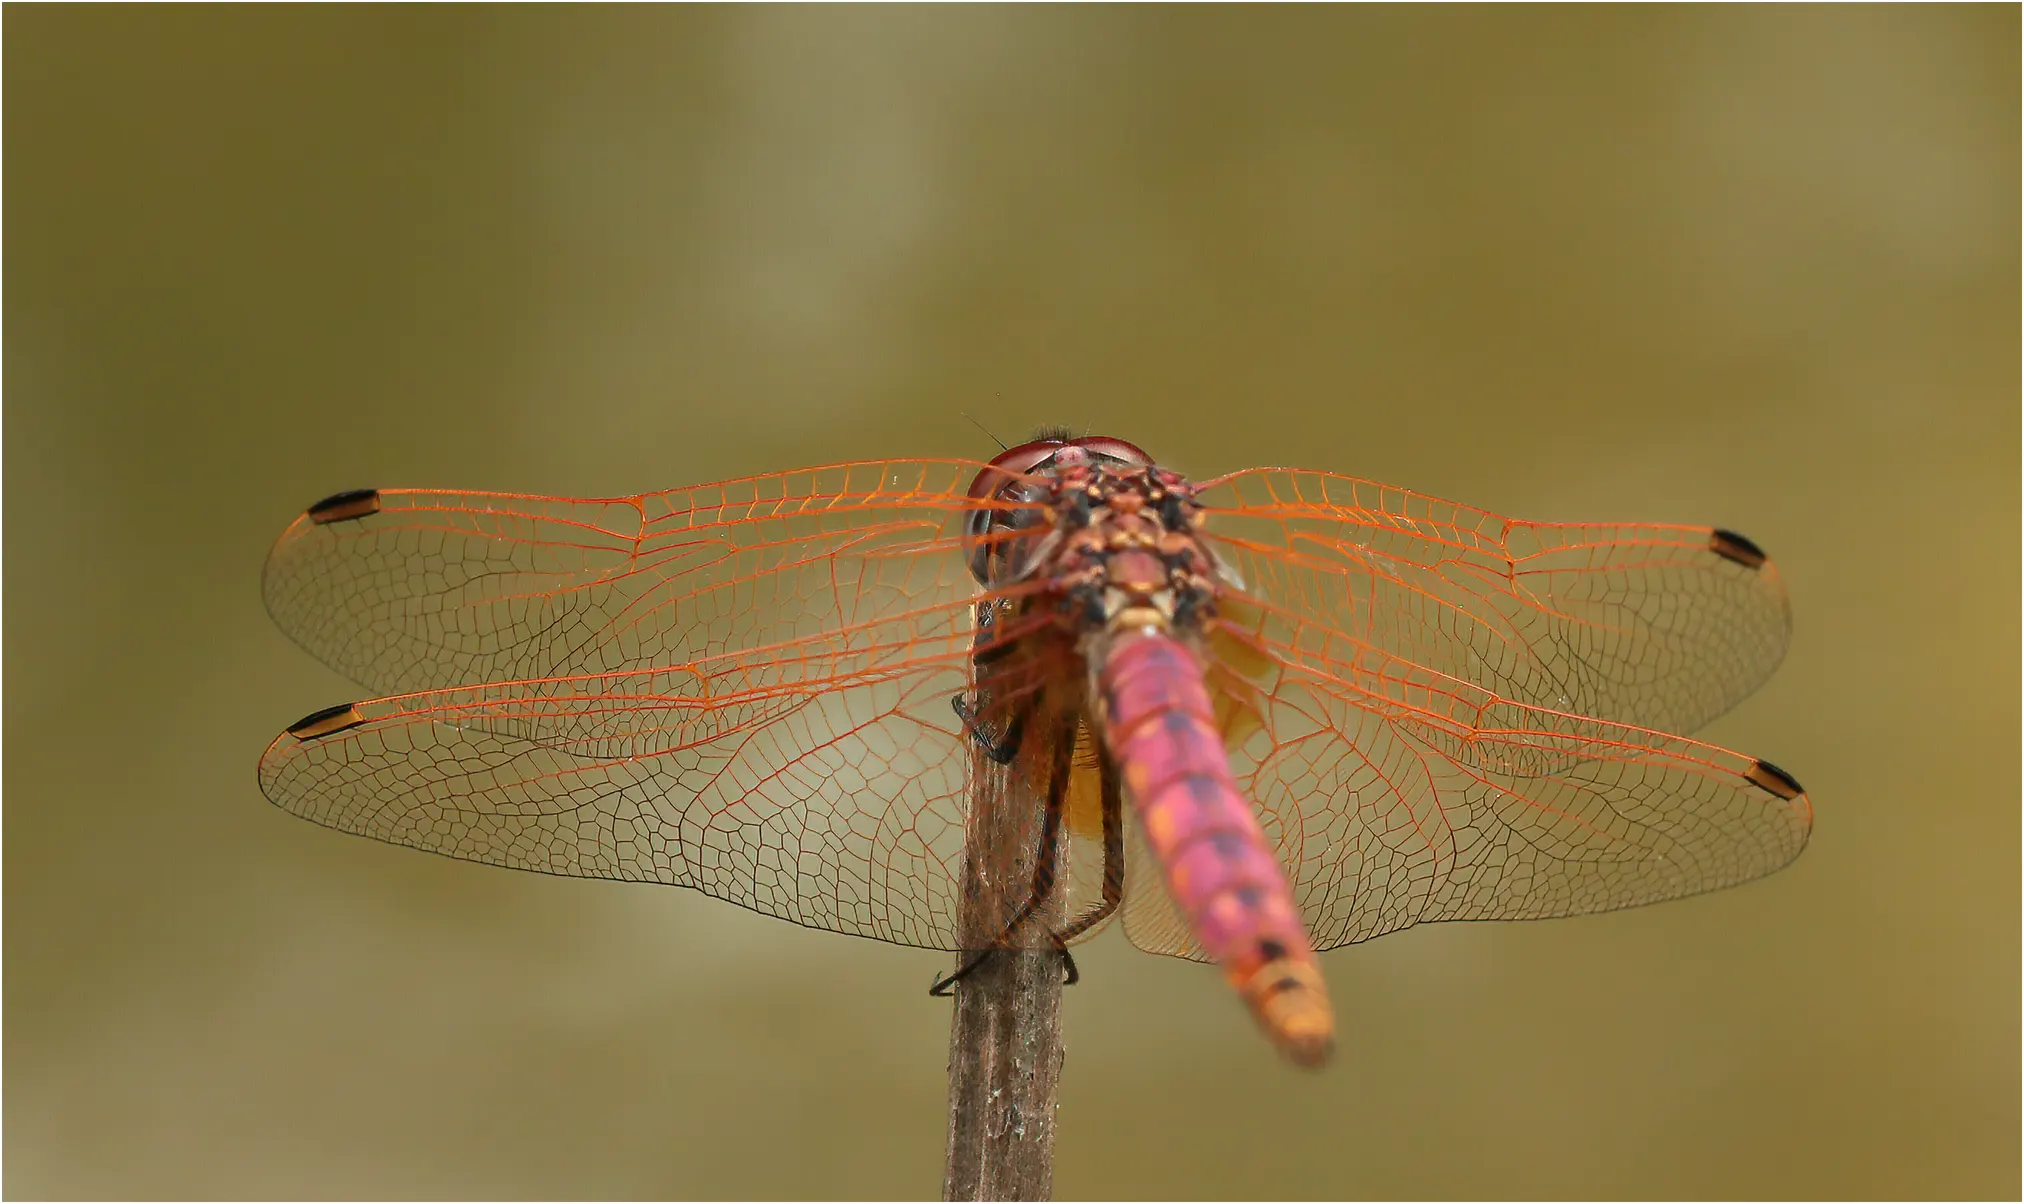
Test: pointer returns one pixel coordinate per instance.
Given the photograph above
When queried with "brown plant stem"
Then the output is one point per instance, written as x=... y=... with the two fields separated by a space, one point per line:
x=1005 y=1047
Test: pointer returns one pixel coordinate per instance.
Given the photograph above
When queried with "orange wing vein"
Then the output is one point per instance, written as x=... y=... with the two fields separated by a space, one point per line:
x=744 y=687
x=1657 y=626
x=407 y=590
x=1394 y=794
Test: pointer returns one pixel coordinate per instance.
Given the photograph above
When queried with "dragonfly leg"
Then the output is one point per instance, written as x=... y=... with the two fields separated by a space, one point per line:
x=1044 y=870
x=1113 y=860
x=1002 y=751
x=990 y=651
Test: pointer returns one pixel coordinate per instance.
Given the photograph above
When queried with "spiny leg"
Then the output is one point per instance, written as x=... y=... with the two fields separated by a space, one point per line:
x=1113 y=862
x=1043 y=868
x=1002 y=751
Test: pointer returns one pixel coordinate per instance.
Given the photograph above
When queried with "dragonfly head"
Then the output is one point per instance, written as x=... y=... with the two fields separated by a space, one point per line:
x=1010 y=478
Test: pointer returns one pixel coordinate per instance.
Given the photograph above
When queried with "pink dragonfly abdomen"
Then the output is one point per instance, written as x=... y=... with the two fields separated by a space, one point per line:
x=1161 y=730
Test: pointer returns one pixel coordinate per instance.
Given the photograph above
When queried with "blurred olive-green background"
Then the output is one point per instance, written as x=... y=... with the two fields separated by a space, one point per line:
x=1750 y=266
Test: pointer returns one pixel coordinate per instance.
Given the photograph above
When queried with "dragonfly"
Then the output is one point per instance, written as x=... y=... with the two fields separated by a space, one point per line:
x=1262 y=715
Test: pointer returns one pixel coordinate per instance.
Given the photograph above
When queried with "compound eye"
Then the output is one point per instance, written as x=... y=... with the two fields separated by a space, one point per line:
x=1115 y=449
x=1021 y=459
x=1005 y=469
x=994 y=483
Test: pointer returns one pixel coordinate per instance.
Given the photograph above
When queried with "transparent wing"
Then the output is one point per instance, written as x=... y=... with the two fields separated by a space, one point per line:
x=822 y=778
x=1655 y=626
x=1395 y=795
x=743 y=688
x=832 y=794
x=407 y=589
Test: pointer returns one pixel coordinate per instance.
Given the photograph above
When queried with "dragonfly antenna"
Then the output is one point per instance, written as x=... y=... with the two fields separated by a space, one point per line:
x=1002 y=446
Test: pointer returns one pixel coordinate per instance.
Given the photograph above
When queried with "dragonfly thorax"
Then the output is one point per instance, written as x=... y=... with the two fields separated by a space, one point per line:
x=1105 y=546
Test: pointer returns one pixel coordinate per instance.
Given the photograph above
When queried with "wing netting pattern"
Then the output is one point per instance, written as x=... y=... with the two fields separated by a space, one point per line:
x=741 y=688
x=1396 y=795
x=745 y=688
x=1642 y=624
x=836 y=804
x=442 y=588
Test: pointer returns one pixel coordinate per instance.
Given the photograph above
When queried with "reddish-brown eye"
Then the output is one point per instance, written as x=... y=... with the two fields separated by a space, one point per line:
x=1029 y=457
x=1116 y=449
x=997 y=482
x=1021 y=459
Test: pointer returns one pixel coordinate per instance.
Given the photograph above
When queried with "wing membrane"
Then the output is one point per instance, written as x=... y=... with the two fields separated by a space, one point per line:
x=834 y=802
x=1654 y=626
x=1396 y=795
x=825 y=780
x=744 y=688
x=409 y=590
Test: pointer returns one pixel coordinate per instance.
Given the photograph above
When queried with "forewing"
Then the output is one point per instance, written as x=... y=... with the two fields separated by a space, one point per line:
x=405 y=590
x=828 y=789
x=1654 y=626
